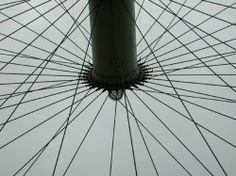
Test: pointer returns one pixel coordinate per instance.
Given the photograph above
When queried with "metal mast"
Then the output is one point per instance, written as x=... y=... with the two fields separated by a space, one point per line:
x=115 y=64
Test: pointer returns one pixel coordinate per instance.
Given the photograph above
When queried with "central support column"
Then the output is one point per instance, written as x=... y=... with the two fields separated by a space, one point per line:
x=113 y=43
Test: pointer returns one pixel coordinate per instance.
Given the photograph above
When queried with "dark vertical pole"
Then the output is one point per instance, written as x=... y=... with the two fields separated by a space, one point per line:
x=113 y=42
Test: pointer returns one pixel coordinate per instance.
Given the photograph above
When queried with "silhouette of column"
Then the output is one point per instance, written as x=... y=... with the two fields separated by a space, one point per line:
x=113 y=42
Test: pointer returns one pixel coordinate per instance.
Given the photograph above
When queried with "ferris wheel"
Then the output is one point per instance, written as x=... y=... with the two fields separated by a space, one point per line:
x=117 y=87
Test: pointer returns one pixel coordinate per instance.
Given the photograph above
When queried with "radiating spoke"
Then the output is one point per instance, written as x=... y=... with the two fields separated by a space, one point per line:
x=176 y=117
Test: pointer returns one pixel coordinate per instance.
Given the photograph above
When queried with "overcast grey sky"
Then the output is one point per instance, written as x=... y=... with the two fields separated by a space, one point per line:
x=159 y=123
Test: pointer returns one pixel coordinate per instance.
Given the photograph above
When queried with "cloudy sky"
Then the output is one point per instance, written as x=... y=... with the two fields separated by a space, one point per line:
x=180 y=122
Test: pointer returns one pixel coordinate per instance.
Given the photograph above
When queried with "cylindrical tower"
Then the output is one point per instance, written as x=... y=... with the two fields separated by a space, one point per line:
x=113 y=43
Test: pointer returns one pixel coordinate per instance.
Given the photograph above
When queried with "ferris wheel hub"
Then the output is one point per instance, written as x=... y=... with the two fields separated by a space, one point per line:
x=113 y=35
